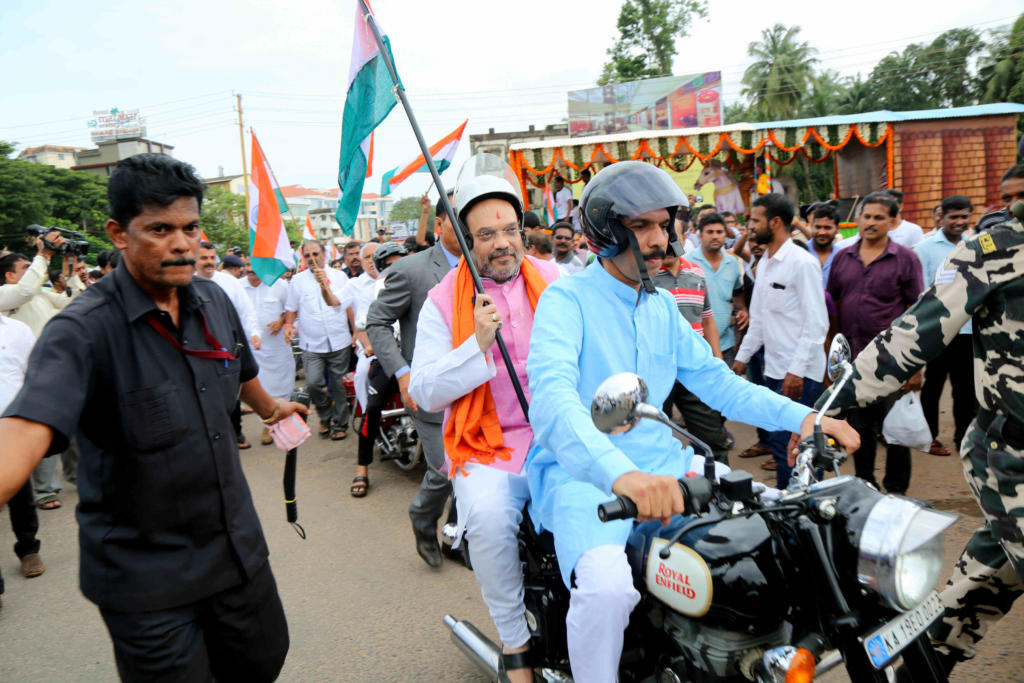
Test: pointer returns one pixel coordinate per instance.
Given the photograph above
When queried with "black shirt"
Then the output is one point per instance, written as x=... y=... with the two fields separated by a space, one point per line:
x=165 y=513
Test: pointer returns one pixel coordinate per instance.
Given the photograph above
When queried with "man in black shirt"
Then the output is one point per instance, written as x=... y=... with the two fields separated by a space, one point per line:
x=148 y=364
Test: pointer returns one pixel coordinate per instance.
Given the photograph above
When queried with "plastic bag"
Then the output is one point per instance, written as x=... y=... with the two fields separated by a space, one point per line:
x=905 y=424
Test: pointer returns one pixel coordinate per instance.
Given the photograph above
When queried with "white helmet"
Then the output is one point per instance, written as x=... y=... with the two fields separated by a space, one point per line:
x=485 y=176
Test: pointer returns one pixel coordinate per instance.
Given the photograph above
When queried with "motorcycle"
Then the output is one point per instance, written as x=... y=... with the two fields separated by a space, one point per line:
x=752 y=584
x=397 y=440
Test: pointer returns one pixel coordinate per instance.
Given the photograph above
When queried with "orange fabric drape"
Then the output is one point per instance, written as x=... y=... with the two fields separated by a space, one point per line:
x=725 y=141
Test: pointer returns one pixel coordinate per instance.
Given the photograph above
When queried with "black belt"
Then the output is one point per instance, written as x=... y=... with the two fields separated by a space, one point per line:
x=1013 y=429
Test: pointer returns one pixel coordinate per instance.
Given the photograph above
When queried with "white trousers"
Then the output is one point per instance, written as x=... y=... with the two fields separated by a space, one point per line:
x=599 y=609
x=490 y=506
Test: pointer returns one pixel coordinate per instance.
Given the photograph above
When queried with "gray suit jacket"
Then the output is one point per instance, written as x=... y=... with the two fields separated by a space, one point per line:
x=405 y=288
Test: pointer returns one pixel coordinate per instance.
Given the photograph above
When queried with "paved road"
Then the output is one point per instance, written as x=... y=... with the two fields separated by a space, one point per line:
x=361 y=605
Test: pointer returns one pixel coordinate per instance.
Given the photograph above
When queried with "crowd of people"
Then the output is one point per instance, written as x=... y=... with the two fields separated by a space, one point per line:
x=724 y=317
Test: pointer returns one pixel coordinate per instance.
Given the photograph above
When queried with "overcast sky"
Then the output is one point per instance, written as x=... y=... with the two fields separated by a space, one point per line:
x=503 y=65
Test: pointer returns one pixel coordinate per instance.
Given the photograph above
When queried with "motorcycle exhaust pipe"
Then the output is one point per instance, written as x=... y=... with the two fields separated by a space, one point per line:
x=396 y=412
x=475 y=645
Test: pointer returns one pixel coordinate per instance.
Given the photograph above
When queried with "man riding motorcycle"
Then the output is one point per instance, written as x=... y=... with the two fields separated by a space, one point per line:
x=456 y=367
x=605 y=320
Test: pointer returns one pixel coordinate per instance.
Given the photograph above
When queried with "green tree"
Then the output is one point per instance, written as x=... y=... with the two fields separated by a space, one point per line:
x=406 y=209
x=781 y=74
x=1002 y=68
x=939 y=74
x=223 y=219
x=34 y=193
x=648 y=30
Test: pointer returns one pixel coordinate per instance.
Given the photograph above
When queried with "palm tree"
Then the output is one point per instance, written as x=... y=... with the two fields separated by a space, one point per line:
x=781 y=73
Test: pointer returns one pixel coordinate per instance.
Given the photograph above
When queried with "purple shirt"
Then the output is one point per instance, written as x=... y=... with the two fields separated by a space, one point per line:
x=868 y=299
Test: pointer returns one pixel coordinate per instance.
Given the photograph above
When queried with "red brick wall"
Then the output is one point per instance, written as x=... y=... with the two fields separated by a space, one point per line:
x=934 y=159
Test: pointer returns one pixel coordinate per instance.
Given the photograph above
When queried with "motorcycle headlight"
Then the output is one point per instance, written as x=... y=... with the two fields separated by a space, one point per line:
x=901 y=551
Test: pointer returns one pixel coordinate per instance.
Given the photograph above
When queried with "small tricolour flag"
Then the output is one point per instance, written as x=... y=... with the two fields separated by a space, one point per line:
x=307 y=232
x=368 y=101
x=550 y=212
x=442 y=152
x=271 y=253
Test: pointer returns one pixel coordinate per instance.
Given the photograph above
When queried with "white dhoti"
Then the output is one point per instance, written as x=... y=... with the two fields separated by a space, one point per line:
x=490 y=506
x=277 y=365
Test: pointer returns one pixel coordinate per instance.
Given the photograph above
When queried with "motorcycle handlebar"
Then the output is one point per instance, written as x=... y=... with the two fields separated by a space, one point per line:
x=696 y=496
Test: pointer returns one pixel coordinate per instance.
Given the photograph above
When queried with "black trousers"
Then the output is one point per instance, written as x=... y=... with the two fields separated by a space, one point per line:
x=868 y=423
x=24 y=523
x=239 y=634
x=380 y=388
x=956 y=363
x=701 y=419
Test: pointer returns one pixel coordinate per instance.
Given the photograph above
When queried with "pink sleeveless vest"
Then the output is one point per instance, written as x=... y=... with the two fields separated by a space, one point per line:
x=516 y=324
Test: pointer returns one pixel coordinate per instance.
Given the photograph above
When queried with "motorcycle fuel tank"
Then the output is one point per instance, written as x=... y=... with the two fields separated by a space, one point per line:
x=725 y=574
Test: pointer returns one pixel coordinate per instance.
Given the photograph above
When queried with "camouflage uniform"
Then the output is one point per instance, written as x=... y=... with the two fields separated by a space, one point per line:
x=983 y=280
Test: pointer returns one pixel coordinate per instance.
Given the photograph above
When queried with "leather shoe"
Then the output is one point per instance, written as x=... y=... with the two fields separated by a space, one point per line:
x=32 y=565
x=428 y=548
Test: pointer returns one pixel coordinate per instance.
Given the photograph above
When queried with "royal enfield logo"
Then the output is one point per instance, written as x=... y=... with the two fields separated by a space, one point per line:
x=683 y=581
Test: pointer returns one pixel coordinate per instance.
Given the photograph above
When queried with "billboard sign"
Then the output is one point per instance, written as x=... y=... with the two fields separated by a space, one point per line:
x=690 y=101
x=111 y=124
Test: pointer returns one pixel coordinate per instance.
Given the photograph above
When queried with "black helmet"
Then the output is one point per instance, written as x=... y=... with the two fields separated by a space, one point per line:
x=385 y=251
x=624 y=190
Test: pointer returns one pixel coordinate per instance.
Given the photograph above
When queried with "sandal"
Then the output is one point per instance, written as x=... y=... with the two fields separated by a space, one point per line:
x=324 y=431
x=938 y=449
x=338 y=435
x=771 y=465
x=360 y=487
x=52 y=504
x=756 y=451
x=513 y=660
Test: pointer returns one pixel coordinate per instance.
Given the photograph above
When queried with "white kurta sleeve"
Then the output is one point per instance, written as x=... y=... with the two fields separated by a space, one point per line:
x=441 y=374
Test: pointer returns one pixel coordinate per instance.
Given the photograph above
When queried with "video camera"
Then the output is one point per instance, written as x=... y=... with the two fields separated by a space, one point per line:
x=74 y=242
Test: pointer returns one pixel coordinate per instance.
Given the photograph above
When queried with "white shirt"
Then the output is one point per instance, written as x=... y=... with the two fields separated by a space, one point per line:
x=28 y=302
x=232 y=286
x=16 y=340
x=570 y=265
x=322 y=328
x=906 y=234
x=787 y=315
x=267 y=302
x=574 y=216
x=562 y=200
x=362 y=290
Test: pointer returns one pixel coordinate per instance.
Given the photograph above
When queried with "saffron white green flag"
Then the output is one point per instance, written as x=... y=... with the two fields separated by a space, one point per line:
x=368 y=102
x=271 y=253
x=442 y=152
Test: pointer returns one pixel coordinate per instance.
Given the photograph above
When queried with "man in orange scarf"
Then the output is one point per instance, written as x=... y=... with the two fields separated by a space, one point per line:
x=456 y=367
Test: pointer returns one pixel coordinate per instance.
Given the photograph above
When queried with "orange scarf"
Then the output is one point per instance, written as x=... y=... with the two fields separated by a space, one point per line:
x=473 y=433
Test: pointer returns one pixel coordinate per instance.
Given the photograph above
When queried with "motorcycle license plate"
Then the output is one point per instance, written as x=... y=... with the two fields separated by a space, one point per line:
x=887 y=641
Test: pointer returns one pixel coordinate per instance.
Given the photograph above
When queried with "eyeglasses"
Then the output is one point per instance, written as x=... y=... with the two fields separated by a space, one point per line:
x=485 y=236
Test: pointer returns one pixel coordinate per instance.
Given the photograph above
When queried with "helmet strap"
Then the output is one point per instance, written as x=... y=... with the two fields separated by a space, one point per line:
x=645 y=279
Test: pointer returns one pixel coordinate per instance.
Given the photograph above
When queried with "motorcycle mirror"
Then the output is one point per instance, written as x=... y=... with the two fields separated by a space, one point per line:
x=614 y=408
x=620 y=402
x=838 y=357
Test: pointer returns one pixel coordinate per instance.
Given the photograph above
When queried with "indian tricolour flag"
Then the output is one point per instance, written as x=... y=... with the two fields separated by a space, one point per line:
x=442 y=152
x=550 y=212
x=367 y=103
x=271 y=253
x=307 y=232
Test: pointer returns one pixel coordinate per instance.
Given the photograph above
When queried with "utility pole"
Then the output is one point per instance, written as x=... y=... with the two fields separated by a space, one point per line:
x=245 y=169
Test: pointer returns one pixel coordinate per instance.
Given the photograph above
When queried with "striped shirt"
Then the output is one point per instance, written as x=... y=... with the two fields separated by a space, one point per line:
x=690 y=292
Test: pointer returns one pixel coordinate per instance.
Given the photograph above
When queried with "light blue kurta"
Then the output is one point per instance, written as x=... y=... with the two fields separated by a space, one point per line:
x=932 y=252
x=586 y=328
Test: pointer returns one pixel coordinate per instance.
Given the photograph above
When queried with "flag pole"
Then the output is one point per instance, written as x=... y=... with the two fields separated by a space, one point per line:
x=445 y=204
x=245 y=170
